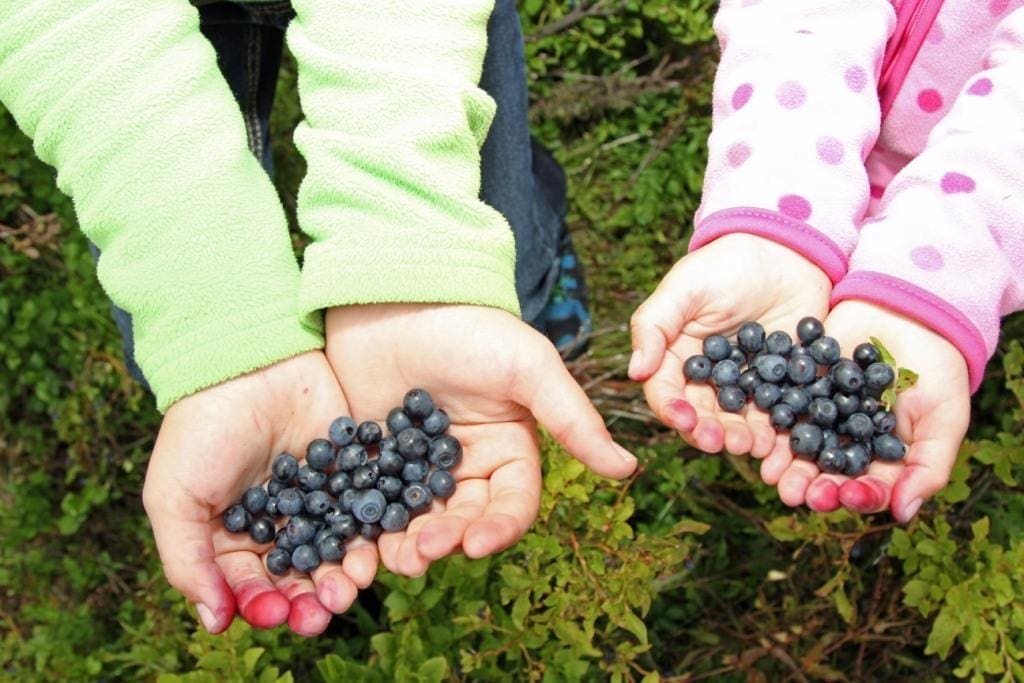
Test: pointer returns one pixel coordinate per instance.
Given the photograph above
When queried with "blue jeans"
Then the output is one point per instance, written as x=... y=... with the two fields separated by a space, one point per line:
x=518 y=177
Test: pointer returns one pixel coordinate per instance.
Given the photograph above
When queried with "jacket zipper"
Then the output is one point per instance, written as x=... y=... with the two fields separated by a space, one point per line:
x=904 y=49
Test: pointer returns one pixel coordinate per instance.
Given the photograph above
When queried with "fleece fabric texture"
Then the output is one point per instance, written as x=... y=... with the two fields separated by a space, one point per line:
x=922 y=212
x=125 y=99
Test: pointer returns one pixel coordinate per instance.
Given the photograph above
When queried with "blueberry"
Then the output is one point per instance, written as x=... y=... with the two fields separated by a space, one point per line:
x=879 y=376
x=859 y=426
x=371 y=532
x=889 y=447
x=821 y=387
x=832 y=460
x=857 y=459
x=441 y=483
x=347 y=499
x=282 y=541
x=279 y=561
x=317 y=503
x=333 y=513
x=846 y=404
x=300 y=530
x=271 y=508
x=274 y=487
x=824 y=351
x=847 y=376
x=731 y=399
x=798 y=399
x=415 y=471
x=345 y=526
x=823 y=412
x=352 y=457
x=397 y=420
x=801 y=369
x=330 y=548
x=417 y=404
x=884 y=422
x=782 y=416
x=320 y=453
x=412 y=443
x=369 y=506
x=865 y=354
x=829 y=438
x=436 y=423
x=310 y=479
x=262 y=530
x=321 y=535
x=445 y=452
x=717 y=347
x=390 y=462
x=749 y=381
x=305 y=559
x=779 y=343
x=338 y=482
x=364 y=477
x=390 y=486
x=772 y=368
x=388 y=443
x=237 y=519
x=341 y=431
x=290 y=502
x=418 y=497
x=737 y=356
x=697 y=368
x=751 y=337
x=767 y=395
x=809 y=329
x=369 y=433
x=395 y=518
x=805 y=440
x=285 y=467
x=254 y=500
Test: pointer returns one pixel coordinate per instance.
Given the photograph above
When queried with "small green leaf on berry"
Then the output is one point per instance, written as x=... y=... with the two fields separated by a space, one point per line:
x=886 y=356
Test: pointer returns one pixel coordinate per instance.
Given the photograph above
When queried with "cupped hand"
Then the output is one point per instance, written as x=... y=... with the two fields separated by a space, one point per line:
x=714 y=290
x=212 y=446
x=495 y=377
x=932 y=419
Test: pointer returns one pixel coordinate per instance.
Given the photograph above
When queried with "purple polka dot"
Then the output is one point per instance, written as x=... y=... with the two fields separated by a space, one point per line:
x=980 y=87
x=791 y=95
x=936 y=35
x=830 y=150
x=805 y=32
x=929 y=100
x=997 y=234
x=997 y=7
x=856 y=78
x=795 y=206
x=876 y=191
x=738 y=153
x=741 y=95
x=954 y=183
x=926 y=258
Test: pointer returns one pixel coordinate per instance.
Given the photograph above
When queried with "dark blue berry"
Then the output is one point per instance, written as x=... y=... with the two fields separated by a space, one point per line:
x=390 y=462
x=731 y=399
x=725 y=373
x=779 y=343
x=832 y=460
x=879 y=376
x=415 y=471
x=369 y=506
x=824 y=351
x=805 y=440
x=282 y=541
x=395 y=518
x=749 y=381
x=801 y=369
x=797 y=398
x=388 y=443
x=397 y=420
x=271 y=508
x=445 y=452
x=858 y=426
x=321 y=535
x=254 y=500
x=310 y=479
x=884 y=422
x=290 y=502
x=821 y=387
x=274 y=487
x=262 y=530
x=369 y=433
x=330 y=548
x=441 y=483
x=418 y=497
x=390 y=486
x=300 y=530
x=371 y=532
x=846 y=404
x=320 y=454
x=772 y=368
x=412 y=443
x=333 y=513
x=436 y=423
x=341 y=431
x=767 y=395
x=345 y=526
x=347 y=499
x=829 y=437
x=352 y=457
x=317 y=503
x=417 y=404
x=717 y=347
x=751 y=337
x=783 y=416
x=737 y=356
x=857 y=459
x=285 y=467
x=697 y=368
x=305 y=559
x=338 y=482
x=848 y=376
x=823 y=412
x=865 y=354
x=809 y=329
x=889 y=447
x=279 y=561
x=364 y=478
x=237 y=519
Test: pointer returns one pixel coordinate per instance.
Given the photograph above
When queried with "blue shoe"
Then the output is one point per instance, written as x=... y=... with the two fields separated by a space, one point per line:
x=565 y=319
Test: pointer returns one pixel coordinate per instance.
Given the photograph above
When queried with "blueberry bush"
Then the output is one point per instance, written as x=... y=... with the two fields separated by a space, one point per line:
x=691 y=570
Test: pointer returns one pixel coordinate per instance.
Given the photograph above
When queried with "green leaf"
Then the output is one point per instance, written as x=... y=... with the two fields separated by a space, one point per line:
x=905 y=378
x=843 y=605
x=634 y=625
x=251 y=656
x=991 y=662
x=944 y=631
x=884 y=352
x=433 y=670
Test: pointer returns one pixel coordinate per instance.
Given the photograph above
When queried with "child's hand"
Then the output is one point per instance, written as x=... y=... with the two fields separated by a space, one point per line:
x=212 y=446
x=493 y=374
x=735 y=279
x=932 y=418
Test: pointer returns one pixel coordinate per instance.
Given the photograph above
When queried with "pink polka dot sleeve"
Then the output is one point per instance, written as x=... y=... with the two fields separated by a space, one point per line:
x=795 y=111
x=947 y=244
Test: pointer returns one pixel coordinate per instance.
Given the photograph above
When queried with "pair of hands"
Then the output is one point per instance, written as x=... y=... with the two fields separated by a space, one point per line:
x=492 y=373
x=742 y=277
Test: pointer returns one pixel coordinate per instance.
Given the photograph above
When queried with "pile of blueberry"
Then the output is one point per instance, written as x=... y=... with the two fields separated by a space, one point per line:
x=832 y=406
x=356 y=482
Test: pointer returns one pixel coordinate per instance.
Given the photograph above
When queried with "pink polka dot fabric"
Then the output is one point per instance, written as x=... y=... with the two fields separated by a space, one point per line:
x=791 y=95
x=741 y=96
x=926 y=258
x=738 y=154
x=830 y=149
x=929 y=100
x=795 y=206
x=957 y=183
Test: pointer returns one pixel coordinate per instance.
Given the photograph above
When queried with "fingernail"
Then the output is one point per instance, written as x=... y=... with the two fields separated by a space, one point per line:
x=910 y=509
x=206 y=616
x=624 y=454
x=634 y=362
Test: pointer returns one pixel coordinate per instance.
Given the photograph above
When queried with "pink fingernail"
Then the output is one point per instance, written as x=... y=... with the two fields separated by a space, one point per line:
x=634 y=363
x=206 y=616
x=910 y=509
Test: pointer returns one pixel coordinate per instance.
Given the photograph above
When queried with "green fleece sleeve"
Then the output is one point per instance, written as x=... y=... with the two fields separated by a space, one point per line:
x=125 y=99
x=394 y=122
